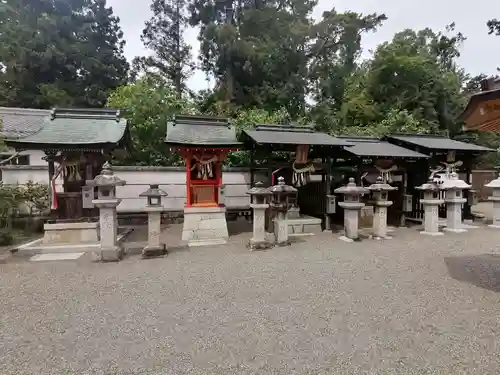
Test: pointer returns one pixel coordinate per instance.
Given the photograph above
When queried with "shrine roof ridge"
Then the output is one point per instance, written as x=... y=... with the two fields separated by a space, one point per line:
x=284 y=128
x=200 y=120
x=86 y=113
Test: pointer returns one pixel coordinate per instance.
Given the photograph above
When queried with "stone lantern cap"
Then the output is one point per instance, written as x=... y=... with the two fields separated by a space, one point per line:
x=430 y=185
x=153 y=192
x=259 y=190
x=454 y=183
x=495 y=184
x=351 y=189
x=282 y=187
x=380 y=185
x=106 y=178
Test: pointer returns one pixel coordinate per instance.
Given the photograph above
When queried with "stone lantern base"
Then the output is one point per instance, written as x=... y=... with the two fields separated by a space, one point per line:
x=454 y=215
x=154 y=247
x=431 y=217
x=205 y=226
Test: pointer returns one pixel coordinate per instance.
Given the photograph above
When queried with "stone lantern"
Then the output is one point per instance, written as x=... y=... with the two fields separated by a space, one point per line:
x=154 y=209
x=431 y=202
x=495 y=198
x=281 y=202
x=259 y=202
x=352 y=208
x=106 y=201
x=454 y=200
x=381 y=202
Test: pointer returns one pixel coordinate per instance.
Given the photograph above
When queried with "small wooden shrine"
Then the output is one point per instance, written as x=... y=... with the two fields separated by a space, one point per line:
x=370 y=158
x=303 y=157
x=483 y=110
x=445 y=157
x=76 y=143
x=204 y=143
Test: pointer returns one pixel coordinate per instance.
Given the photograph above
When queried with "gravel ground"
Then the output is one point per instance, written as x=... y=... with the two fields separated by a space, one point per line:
x=412 y=305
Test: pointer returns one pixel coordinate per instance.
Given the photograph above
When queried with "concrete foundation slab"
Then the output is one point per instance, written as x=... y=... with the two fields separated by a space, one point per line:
x=38 y=247
x=55 y=256
x=432 y=233
x=61 y=233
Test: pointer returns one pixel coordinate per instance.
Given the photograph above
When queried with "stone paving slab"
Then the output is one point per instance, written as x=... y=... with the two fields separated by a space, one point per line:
x=55 y=256
x=412 y=305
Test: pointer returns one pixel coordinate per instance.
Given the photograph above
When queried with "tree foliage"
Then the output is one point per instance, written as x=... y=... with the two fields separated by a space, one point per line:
x=66 y=53
x=150 y=103
x=271 y=61
x=163 y=35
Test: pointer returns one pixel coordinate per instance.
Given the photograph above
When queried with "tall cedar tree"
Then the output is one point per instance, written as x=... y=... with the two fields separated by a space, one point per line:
x=163 y=35
x=256 y=50
x=105 y=67
x=65 y=52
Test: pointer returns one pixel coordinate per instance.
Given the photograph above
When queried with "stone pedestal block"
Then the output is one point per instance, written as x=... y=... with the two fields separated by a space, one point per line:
x=496 y=212
x=154 y=247
x=205 y=226
x=431 y=217
x=258 y=240
x=281 y=229
x=454 y=215
x=351 y=220
x=109 y=249
x=380 y=219
x=351 y=224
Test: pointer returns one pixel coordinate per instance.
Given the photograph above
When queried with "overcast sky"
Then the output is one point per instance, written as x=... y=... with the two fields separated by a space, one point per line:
x=480 y=53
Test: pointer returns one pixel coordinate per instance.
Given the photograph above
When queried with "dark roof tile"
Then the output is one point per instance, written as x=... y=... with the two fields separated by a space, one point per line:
x=435 y=142
x=20 y=122
x=292 y=135
x=77 y=127
x=201 y=131
x=371 y=146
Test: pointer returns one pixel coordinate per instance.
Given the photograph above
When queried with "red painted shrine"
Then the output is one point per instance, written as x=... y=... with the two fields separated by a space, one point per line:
x=203 y=175
x=204 y=143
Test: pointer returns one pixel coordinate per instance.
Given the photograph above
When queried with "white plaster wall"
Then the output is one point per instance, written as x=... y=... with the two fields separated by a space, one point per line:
x=35 y=157
x=171 y=180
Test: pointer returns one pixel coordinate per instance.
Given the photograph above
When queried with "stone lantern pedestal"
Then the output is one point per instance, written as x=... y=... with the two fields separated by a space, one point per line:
x=495 y=198
x=454 y=200
x=352 y=208
x=154 y=208
x=106 y=183
x=280 y=204
x=431 y=204
x=380 y=203
x=259 y=204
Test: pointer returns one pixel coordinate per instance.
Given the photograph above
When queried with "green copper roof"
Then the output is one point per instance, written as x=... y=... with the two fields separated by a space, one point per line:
x=73 y=127
x=201 y=131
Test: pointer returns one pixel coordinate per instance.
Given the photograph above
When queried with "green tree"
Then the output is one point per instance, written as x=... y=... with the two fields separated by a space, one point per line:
x=256 y=50
x=164 y=36
x=59 y=53
x=412 y=82
x=150 y=103
x=334 y=52
x=417 y=72
x=103 y=66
